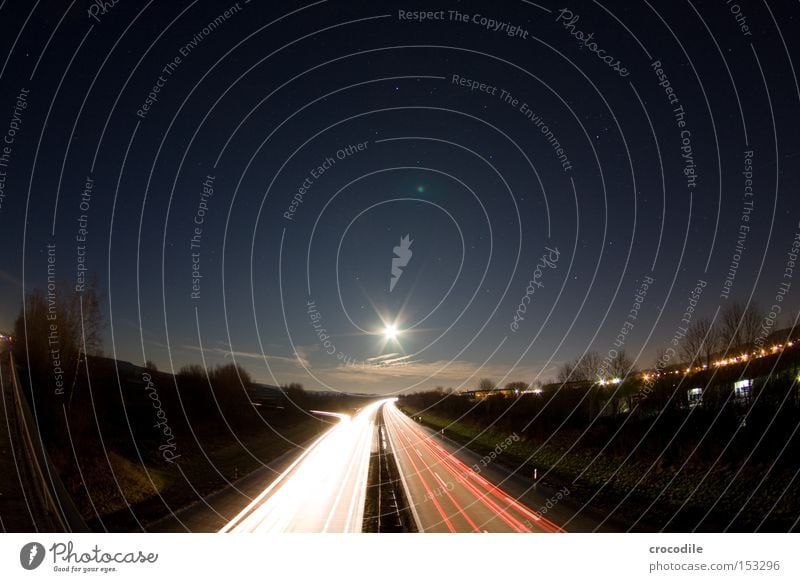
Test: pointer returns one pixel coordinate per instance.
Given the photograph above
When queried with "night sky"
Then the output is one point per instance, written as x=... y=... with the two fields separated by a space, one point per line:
x=252 y=167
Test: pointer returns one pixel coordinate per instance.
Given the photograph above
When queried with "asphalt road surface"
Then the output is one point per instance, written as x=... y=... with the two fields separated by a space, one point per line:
x=448 y=495
x=324 y=489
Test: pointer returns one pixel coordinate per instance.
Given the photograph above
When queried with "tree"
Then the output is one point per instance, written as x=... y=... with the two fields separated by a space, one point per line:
x=589 y=366
x=566 y=371
x=621 y=365
x=89 y=316
x=51 y=331
x=701 y=342
x=740 y=325
x=580 y=369
x=517 y=386
x=486 y=385
x=231 y=379
x=151 y=365
x=296 y=395
x=192 y=370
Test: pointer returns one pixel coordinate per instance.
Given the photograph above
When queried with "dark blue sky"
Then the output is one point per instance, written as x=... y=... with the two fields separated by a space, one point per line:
x=262 y=98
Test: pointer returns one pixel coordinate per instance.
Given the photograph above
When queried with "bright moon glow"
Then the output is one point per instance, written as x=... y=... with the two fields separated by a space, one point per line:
x=390 y=332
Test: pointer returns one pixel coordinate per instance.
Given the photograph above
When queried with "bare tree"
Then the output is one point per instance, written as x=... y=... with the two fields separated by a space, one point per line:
x=751 y=324
x=621 y=366
x=739 y=325
x=52 y=331
x=88 y=318
x=589 y=365
x=296 y=395
x=701 y=342
x=195 y=370
x=580 y=369
x=486 y=384
x=566 y=371
x=729 y=324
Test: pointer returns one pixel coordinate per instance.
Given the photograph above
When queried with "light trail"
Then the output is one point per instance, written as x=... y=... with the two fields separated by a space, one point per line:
x=464 y=501
x=324 y=490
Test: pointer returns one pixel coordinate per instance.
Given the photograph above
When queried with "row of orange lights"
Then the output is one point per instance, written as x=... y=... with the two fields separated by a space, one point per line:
x=726 y=362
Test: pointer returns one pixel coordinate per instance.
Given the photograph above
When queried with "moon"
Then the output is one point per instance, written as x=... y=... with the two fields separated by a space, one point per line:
x=391 y=332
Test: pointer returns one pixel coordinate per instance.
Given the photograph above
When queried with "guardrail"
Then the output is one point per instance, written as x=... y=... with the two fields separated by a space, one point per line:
x=61 y=514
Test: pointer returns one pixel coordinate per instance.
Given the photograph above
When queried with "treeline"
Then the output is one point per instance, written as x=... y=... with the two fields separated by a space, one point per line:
x=738 y=329
x=117 y=432
x=79 y=395
x=671 y=458
x=657 y=410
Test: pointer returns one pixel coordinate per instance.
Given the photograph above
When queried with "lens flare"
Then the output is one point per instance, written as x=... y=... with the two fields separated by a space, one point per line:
x=390 y=332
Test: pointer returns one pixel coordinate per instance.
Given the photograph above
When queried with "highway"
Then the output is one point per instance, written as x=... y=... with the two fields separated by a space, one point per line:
x=33 y=497
x=324 y=489
x=445 y=494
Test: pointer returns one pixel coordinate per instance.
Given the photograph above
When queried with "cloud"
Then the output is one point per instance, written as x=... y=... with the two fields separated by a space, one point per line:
x=459 y=372
x=300 y=357
x=301 y=353
x=382 y=357
x=400 y=359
